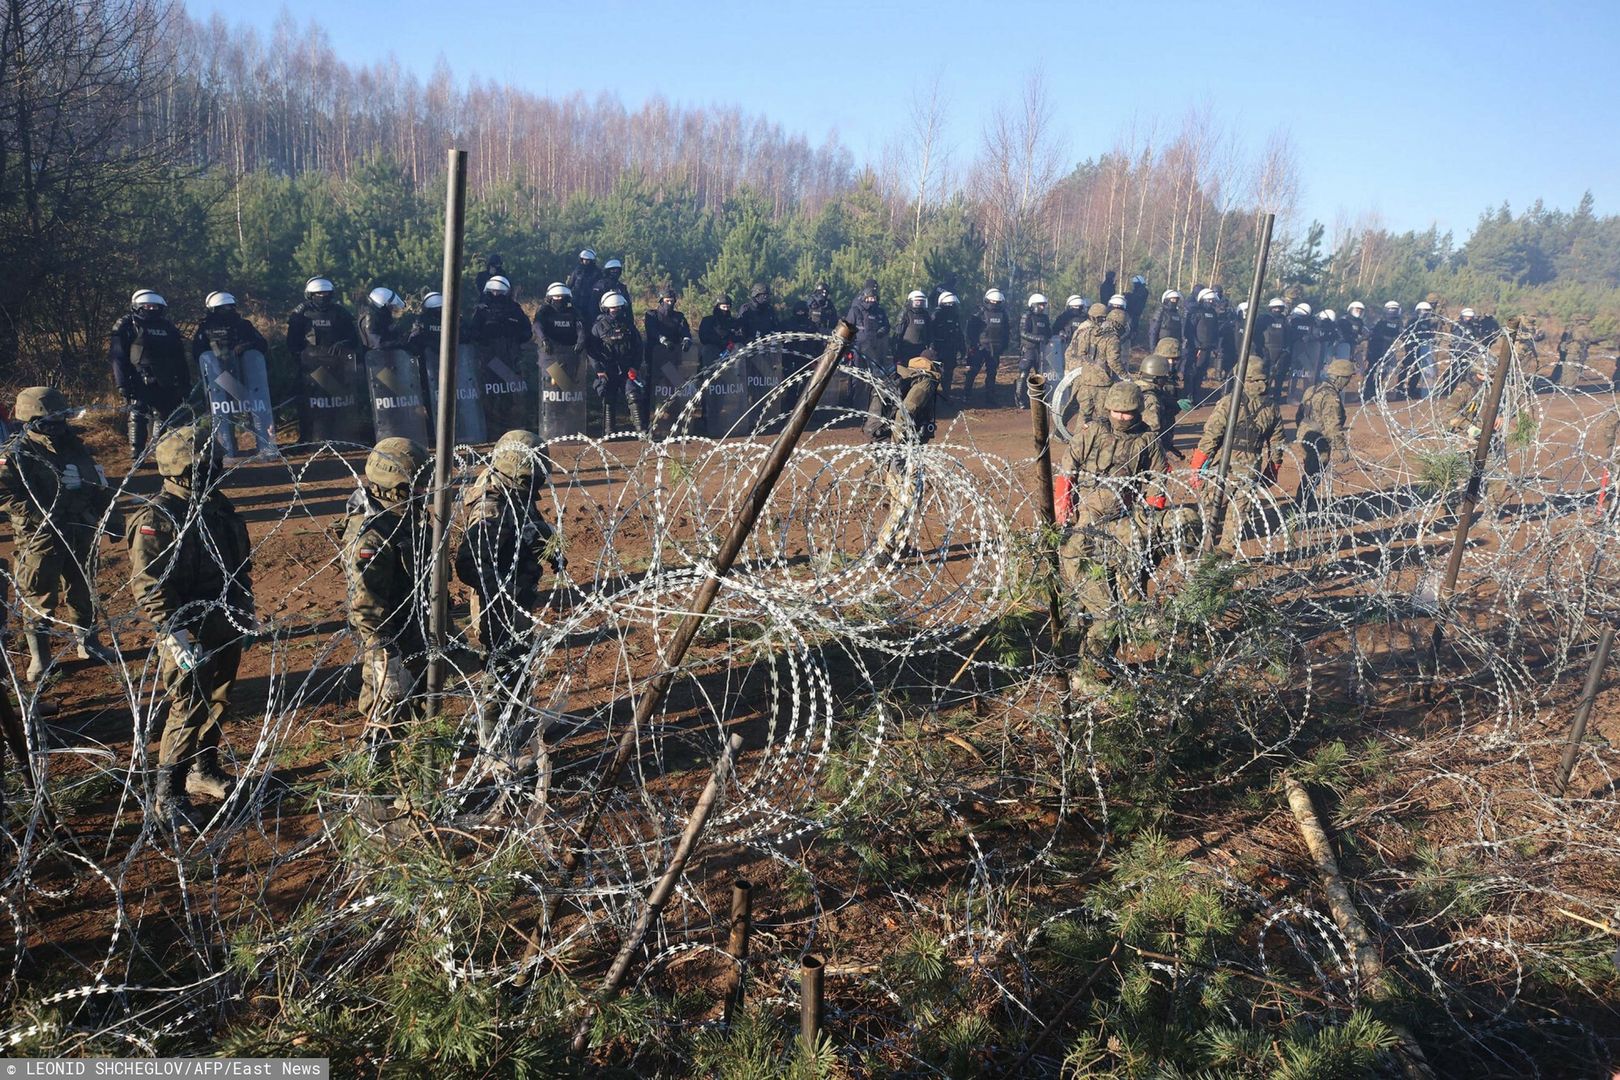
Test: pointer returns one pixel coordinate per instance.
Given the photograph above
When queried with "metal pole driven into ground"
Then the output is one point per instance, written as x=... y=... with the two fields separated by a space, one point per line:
x=1476 y=476
x=742 y=927
x=810 y=1003
x=1045 y=500
x=661 y=892
x=455 y=212
x=653 y=696
x=1239 y=374
x=1577 y=730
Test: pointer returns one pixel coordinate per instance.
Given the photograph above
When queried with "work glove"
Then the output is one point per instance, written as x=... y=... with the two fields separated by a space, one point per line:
x=599 y=385
x=686 y=344
x=181 y=650
x=1475 y=431
x=71 y=480
x=394 y=684
x=1197 y=465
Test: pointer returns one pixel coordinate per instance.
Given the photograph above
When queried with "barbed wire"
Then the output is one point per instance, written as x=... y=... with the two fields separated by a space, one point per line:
x=872 y=647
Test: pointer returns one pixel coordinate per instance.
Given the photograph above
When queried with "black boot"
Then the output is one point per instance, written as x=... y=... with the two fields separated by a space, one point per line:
x=139 y=425
x=1021 y=391
x=172 y=804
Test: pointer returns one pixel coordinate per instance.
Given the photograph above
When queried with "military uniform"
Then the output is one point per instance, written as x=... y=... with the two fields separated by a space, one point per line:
x=191 y=570
x=1319 y=425
x=1104 y=538
x=1256 y=449
x=505 y=542
x=1095 y=353
x=1159 y=405
x=384 y=553
x=55 y=495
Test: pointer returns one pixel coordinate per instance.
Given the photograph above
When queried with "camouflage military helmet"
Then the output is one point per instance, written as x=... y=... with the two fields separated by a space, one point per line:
x=1097 y=311
x=1123 y=397
x=518 y=455
x=395 y=462
x=1341 y=368
x=180 y=448
x=1256 y=372
x=1155 y=366
x=39 y=401
x=1169 y=348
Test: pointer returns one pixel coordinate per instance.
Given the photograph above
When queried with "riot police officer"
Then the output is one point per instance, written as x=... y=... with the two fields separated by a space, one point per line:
x=379 y=326
x=560 y=326
x=498 y=323
x=582 y=284
x=224 y=332
x=149 y=365
x=1034 y=331
x=758 y=316
x=989 y=331
x=321 y=334
x=615 y=350
x=949 y=343
x=823 y=312
x=914 y=333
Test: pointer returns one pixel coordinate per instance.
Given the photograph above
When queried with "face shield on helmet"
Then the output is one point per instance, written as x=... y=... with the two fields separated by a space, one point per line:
x=1467 y=314
x=147 y=302
x=1424 y=306
x=587 y=257
x=497 y=286
x=318 y=291
x=386 y=300
x=993 y=296
x=613 y=268
x=1116 y=301
x=1138 y=280
x=433 y=302
x=1075 y=302
x=1037 y=302
x=1302 y=309
x=558 y=294
x=220 y=301
x=1171 y=297
x=947 y=299
x=917 y=299
x=613 y=305
x=1275 y=306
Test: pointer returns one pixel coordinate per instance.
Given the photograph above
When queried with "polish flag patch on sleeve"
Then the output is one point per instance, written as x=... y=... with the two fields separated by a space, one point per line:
x=366 y=553
x=147 y=530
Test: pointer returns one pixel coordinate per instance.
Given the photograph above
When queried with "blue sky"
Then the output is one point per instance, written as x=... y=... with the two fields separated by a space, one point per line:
x=1424 y=112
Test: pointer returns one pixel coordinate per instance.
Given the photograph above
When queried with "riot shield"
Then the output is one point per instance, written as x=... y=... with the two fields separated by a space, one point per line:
x=239 y=402
x=764 y=372
x=564 y=382
x=470 y=427
x=669 y=382
x=725 y=396
x=331 y=410
x=397 y=405
x=508 y=381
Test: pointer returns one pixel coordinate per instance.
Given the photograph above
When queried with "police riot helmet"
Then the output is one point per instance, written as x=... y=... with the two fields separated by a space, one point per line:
x=1302 y=309
x=1124 y=397
x=1036 y=298
x=1116 y=301
x=613 y=264
x=1424 y=305
x=917 y=298
x=395 y=463
x=1138 y=280
x=318 y=291
x=613 y=301
x=1169 y=295
x=1466 y=314
x=498 y=285
x=1392 y=305
x=1328 y=315
x=1276 y=303
x=587 y=256
x=1077 y=301
x=947 y=298
x=1357 y=307
x=219 y=299
x=386 y=298
x=558 y=291
x=519 y=456
x=37 y=403
x=993 y=296
x=433 y=302
x=146 y=302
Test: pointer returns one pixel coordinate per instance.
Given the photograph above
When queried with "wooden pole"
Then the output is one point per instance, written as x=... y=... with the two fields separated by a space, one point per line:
x=661 y=892
x=1577 y=730
x=1045 y=501
x=653 y=696
x=1239 y=374
x=455 y=213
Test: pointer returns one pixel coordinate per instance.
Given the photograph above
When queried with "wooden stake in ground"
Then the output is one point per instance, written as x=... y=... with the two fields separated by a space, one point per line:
x=1368 y=960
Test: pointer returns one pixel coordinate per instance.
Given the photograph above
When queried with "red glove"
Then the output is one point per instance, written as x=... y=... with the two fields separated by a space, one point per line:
x=1196 y=463
x=1158 y=502
x=1603 y=489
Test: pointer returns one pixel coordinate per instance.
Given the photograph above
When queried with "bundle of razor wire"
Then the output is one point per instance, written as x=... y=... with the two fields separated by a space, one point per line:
x=890 y=585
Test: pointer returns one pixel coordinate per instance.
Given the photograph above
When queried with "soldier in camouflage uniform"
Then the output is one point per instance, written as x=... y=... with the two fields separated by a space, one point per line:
x=1574 y=349
x=55 y=495
x=384 y=556
x=1319 y=427
x=191 y=571
x=506 y=541
x=1095 y=351
x=1111 y=465
x=1156 y=377
x=1256 y=450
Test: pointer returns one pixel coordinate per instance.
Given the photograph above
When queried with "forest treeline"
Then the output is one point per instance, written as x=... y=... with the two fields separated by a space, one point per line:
x=140 y=147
